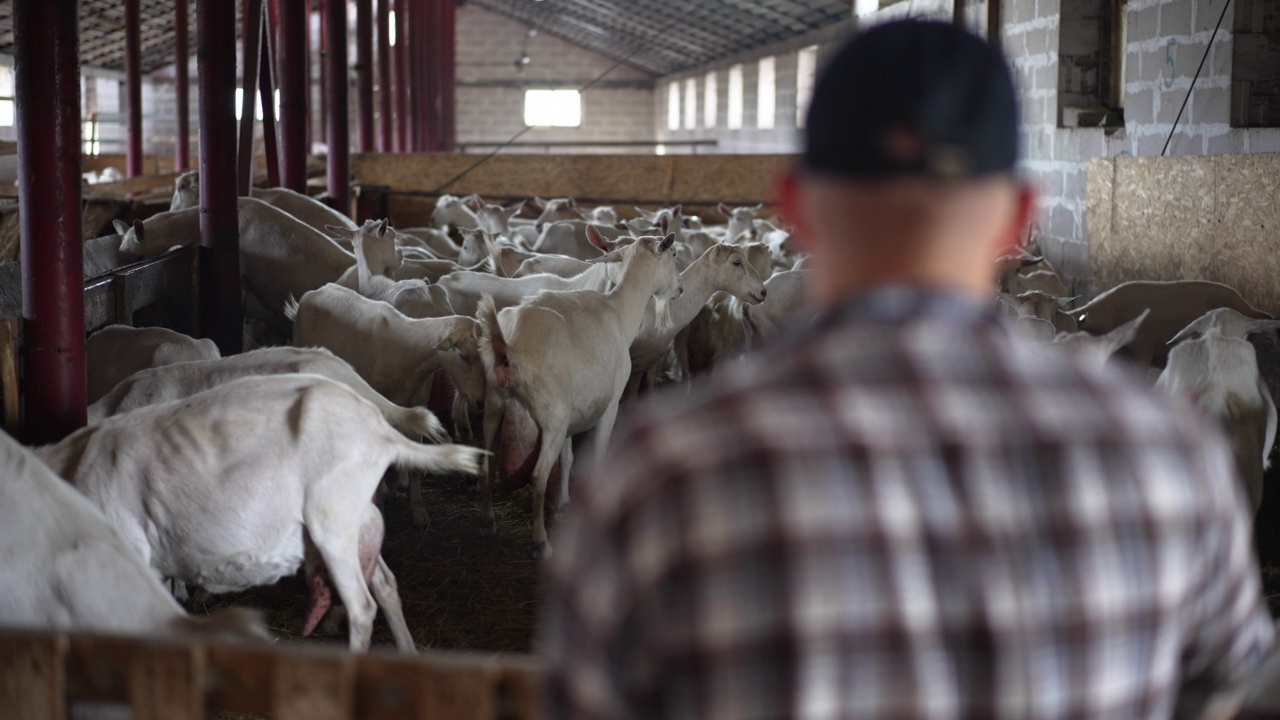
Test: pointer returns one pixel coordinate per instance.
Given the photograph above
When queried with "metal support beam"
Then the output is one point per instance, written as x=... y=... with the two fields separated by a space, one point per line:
x=47 y=91
x=995 y=31
x=291 y=26
x=267 y=96
x=364 y=73
x=448 y=76
x=219 y=315
x=339 y=135
x=384 y=77
x=182 y=87
x=252 y=36
x=133 y=88
x=402 y=76
x=958 y=10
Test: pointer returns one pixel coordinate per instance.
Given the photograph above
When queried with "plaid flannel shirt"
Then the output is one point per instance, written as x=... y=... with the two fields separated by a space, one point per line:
x=907 y=512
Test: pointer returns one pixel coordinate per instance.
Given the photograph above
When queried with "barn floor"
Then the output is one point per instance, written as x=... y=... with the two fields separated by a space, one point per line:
x=460 y=590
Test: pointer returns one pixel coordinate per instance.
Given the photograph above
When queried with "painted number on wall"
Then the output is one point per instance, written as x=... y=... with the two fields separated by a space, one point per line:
x=1168 y=60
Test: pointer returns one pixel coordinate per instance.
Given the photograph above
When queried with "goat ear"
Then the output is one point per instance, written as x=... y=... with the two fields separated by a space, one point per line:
x=120 y=227
x=667 y=242
x=601 y=243
x=1125 y=334
x=758 y=206
x=473 y=201
x=137 y=229
x=514 y=210
x=678 y=210
x=1257 y=326
x=724 y=210
x=337 y=230
x=1064 y=303
x=539 y=203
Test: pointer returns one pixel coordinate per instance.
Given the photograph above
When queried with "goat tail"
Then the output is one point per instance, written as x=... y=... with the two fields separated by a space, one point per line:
x=438 y=459
x=493 y=346
x=291 y=308
x=418 y=421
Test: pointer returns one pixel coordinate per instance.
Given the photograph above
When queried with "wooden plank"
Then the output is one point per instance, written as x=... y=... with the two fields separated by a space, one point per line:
x=314 y=686
x=406 y=688
x=10 y=388
x=163 y=278
x=32 y=682
x=240 y=678
x=158 y=680
x=519 y=692
x=100 y=303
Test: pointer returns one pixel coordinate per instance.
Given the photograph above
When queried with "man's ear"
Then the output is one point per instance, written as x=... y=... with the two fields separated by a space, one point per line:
x=1025 y=213
x=787 y=188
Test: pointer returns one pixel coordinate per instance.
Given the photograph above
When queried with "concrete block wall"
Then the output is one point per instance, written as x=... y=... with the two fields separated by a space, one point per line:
x=491 y=90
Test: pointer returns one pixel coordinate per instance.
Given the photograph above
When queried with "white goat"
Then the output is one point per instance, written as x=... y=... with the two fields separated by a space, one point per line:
x=496 y=219
x=452 y=211
x=741 y=222
x=570 y=238
x=374 y=245
x=174 y=382
x=603 y=215
x=464 y=289
x=566 y=357
x=1173 y=305
x=556 y=210
x=280 y=256
x=1100 y=348
x=319 y=216
x=118 y=351
x=1214 y=366
x=65 y=567
x=235 y=487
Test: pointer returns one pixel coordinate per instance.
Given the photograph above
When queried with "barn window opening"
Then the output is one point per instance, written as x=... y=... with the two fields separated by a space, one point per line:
x=391 y=28
x=6 y=96
x=257 y=105
x=806 y=71
x=734 y=120
x=711 y=102
x=673 y=106
x=1255 y=65
x=553 y=108
x=691 y=104
x=1092 y=38
x=767 y=94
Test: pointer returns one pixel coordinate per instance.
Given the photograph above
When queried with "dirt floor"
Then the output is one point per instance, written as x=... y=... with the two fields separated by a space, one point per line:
x=460 y=590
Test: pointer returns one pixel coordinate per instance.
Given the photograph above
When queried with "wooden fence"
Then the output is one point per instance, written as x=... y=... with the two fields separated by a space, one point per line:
x=42 y=674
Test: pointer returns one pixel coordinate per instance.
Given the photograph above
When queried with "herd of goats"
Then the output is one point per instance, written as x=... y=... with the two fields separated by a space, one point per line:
x=482 y=330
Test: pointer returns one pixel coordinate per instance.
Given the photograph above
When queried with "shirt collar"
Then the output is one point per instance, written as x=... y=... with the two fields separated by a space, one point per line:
x=894 y=304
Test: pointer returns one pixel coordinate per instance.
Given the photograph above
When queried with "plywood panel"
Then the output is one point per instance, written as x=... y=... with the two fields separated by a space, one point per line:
x=1188 y=218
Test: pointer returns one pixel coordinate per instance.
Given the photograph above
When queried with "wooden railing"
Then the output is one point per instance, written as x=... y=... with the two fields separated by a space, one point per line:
x=43 y=674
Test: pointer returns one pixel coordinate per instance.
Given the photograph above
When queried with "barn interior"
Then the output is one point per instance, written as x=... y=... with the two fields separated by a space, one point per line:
x=1150 y=127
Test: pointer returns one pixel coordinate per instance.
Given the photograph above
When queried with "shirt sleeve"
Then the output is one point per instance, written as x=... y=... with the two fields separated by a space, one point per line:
x=1232 y=629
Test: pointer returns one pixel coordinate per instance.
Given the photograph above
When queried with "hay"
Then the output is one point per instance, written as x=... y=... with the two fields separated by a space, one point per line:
x=460 y=590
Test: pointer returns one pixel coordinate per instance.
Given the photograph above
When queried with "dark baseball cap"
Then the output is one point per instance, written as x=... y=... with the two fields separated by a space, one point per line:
x=917 y=98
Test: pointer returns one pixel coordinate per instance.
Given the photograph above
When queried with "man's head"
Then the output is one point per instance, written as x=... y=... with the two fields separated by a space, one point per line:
x=908 y=171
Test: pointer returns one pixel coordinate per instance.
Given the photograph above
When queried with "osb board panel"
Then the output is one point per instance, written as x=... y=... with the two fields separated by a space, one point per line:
x=1247 y=213
x=1188 y=218
x=1099 y=186
x=651 y=178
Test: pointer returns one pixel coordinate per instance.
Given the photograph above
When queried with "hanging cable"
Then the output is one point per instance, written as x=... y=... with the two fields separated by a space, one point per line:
x=1194 y=79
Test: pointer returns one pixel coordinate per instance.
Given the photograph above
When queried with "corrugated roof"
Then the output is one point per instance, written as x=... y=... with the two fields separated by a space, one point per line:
x=665 y=36
x=659 y=36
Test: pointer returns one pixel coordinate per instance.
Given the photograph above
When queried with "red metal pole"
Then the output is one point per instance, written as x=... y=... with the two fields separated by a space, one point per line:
x=420 y=72
x=219 y=317
x=133 y=87
x=47 y=61
x=448 y=76
x=339 y=137
x=384 y=77
x=291 y=26
x=323 y=38
x=402 y=76
x=364 y=73
x=182 y=87
x=266 y=86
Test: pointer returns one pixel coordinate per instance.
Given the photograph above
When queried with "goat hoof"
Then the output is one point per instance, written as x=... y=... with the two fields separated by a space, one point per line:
x=540 y=551
x=488 y=527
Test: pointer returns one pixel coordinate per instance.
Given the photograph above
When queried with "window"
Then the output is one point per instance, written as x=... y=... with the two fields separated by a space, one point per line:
x=673 y=106
x=6 y=96
x=806 y=70
x=710 y=102
x=552 y=108
x=766 y=95
x=391 y=27
x=257 y=105
x=735 y=98
x=1091 y=41
x=1255 y=75
x=691 y=104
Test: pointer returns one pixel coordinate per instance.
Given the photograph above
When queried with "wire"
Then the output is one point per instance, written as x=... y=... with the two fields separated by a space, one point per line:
x=1194 y=79
x=584 y=88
